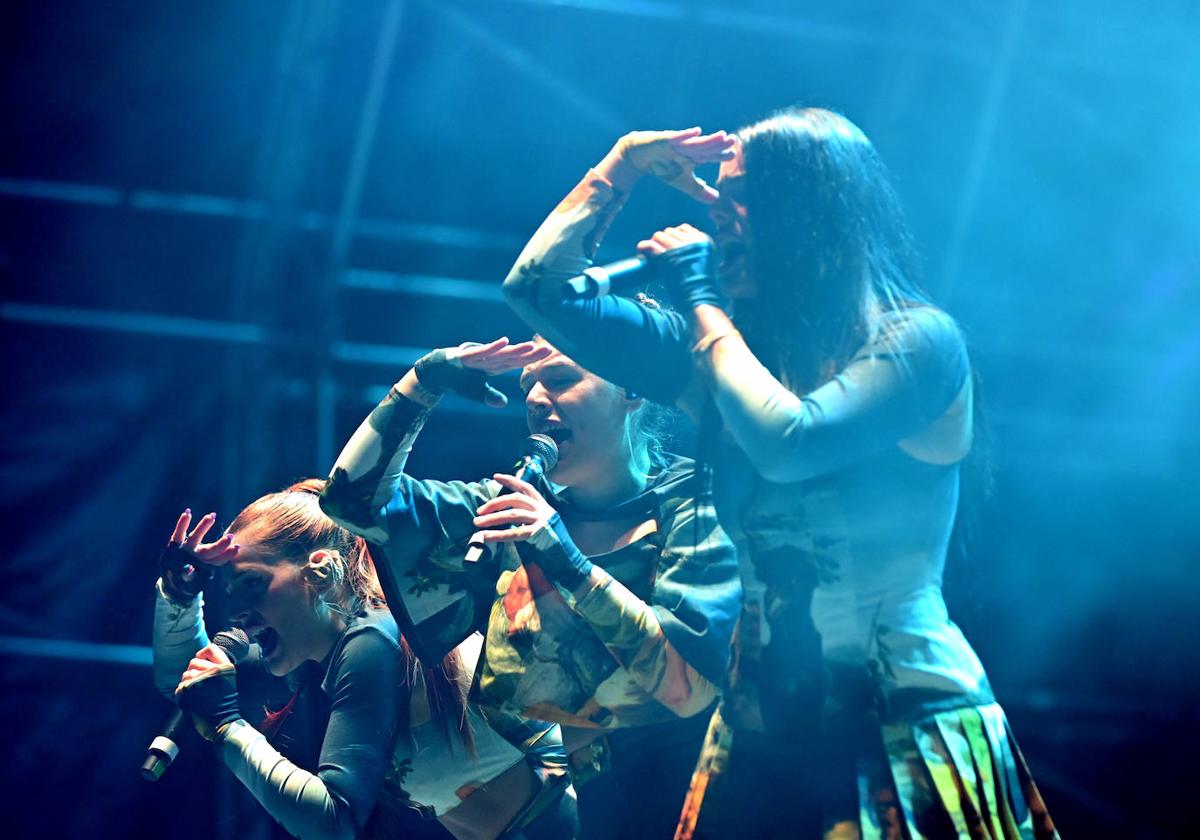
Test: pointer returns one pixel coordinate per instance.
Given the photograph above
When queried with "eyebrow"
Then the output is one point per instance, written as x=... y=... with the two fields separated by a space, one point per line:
x=549 y=364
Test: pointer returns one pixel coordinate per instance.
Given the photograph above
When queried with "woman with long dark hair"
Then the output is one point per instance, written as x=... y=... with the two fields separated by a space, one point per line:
x=836 y=409
x=610 y=596
x=397 y=736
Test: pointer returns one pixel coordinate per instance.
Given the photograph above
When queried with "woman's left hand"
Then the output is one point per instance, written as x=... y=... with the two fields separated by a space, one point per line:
x=523 y=516
x=671 y=238
x=208 y=690
x=687 y=261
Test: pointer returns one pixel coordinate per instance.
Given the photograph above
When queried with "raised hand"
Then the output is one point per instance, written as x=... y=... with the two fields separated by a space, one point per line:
x=186 y=563
x=670 y=156
x=466 y=368
x=687 y=264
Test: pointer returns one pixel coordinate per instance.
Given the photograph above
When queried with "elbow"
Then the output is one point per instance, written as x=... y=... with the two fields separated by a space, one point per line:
x=683 y=690
x=337 y=500
x=777 y=468
x=697 y=697
x=516 y=286
x=331 y=504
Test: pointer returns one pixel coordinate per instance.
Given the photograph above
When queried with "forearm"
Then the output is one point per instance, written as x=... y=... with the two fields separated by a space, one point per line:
x=365 y=475
x=764 y=418
x=617 y=338
x=909 y=375
x=631 y=630
x=297 y=799
x=178 y=632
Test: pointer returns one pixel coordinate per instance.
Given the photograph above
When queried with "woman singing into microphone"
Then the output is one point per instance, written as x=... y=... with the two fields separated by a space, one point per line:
x=397 y=735
x=610 y=596
x=836 y=406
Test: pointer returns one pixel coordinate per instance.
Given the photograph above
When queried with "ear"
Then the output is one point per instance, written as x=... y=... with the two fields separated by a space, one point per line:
x=321 y=570
x=633 y=401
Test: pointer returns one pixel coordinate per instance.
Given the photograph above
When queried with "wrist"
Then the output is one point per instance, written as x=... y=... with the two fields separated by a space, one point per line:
x=618 y=170
x=173 y=597
x=222 y=732
x=596 y=578
x=556 y=553
x=411 y=388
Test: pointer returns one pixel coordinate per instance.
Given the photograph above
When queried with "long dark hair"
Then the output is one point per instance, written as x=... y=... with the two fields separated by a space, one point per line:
x=287 y=527
x=830 y=250
x=830 y=255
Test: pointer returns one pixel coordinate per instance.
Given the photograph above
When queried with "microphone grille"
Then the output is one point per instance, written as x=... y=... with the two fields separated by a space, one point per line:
x=543 y=448
x=234 y=642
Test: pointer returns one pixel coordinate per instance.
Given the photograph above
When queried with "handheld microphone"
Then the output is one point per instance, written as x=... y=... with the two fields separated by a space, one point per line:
x=601 y=280
x=539 y=455
x=163 y=749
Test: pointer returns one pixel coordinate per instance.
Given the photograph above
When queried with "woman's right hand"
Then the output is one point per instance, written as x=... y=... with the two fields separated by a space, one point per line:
x=186 y=563
x=466 y=368
x=670 y=156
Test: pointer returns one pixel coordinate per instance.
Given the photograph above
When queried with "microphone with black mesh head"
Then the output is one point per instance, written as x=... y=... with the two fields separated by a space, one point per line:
x=539 y=455
x=164 y=747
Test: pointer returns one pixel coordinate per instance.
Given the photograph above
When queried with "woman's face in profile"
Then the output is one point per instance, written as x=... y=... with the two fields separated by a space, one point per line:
x=271 y=601
x=733 y=237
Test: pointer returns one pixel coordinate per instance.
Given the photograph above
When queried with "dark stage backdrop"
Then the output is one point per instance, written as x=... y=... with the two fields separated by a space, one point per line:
x=226 y=228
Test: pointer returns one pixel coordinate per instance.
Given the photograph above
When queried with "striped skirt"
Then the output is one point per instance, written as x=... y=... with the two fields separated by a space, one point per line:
x=949 y=774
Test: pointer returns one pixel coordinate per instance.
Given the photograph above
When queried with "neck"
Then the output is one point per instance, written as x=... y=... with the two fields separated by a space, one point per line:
x=612 y=486
x=331 y=631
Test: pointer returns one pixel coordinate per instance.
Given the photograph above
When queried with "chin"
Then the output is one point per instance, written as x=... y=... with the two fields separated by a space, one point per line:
x=280 y=666
x=738 y=287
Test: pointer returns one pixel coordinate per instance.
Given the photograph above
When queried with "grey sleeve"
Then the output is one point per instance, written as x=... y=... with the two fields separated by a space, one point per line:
x=178 y=633
x=891 y=389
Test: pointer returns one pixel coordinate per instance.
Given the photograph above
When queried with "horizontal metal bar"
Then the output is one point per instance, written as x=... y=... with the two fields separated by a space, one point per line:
x=58 y=191
x=789 y=25
x=422 y=284
x=198 y=204
x=133 y=322
x=218 y=206
x=76 y=651
x=451 y=236
x=376 y=354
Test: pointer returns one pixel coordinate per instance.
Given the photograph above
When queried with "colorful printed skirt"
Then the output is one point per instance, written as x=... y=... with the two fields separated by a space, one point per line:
x=949 y=774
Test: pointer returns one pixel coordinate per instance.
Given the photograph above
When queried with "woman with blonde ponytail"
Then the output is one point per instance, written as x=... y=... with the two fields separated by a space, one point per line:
x=401 y=737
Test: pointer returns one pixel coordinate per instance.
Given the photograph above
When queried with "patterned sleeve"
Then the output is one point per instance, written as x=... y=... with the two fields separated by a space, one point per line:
x=676 y=648
x=418 y=529
x=898 y=385
x=611 y=336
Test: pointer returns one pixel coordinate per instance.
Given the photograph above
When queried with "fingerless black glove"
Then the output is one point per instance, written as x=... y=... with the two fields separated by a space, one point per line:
x=212 y=701
x=183 y=576
x=690 y=275
x=439 y=373
x=553 y=550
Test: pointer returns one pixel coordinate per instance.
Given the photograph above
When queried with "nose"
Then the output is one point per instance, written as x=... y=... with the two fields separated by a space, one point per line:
x=537 y=404
x=239 y=617
x=537 y=400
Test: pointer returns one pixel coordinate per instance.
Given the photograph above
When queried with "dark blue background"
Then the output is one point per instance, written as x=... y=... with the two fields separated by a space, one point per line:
x=168 y=161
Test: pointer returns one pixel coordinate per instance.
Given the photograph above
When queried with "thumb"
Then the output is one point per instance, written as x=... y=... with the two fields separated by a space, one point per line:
x=492 y=397
x=694 y=186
